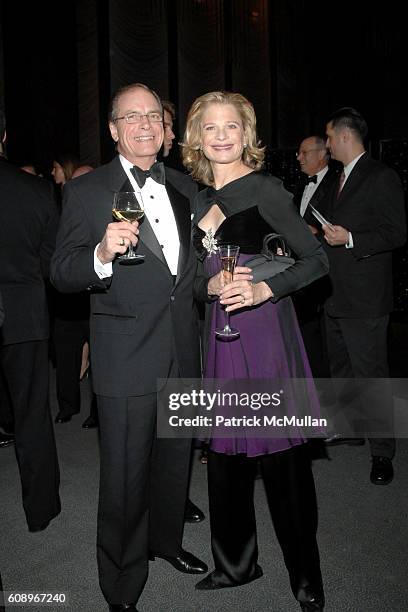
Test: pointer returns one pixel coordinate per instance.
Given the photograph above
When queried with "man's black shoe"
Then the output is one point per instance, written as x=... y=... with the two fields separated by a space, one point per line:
x=40 y=527
x=6 y=439
x=90 y=423
x=122 y=607
x=60 y=418
x=382 y=471
x=185 y=562
x=337 y=439
x=193 y=514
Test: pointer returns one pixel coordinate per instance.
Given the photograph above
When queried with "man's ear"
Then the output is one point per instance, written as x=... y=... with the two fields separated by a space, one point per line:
x=346 y=134
x=113 y=131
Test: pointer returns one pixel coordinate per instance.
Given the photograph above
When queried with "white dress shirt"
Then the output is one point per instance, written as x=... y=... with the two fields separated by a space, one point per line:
x=347 y=169
x=159 y=213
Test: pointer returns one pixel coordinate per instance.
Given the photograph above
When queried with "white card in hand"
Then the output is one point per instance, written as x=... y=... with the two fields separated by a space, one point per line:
x=319 y=216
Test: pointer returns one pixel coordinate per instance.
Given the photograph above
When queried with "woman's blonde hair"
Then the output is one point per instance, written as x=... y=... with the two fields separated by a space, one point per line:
x=193 y=157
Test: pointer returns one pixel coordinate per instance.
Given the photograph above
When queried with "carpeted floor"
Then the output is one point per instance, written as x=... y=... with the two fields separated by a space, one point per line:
x=363 y=535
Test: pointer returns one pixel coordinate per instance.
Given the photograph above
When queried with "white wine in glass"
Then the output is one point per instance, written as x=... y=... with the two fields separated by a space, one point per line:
x=126 y=207
x=228 y=254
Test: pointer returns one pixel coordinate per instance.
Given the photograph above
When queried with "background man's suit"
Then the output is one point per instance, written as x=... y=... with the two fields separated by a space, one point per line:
x=143 y=327
x=320 y=195
x=309 y=301
x=371 y=207
x=28 y=223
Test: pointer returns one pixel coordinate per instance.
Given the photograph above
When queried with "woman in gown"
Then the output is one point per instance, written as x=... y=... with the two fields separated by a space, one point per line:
x=240 y=206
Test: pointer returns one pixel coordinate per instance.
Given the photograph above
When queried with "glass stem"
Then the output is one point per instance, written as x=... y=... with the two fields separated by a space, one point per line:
x=227 y=325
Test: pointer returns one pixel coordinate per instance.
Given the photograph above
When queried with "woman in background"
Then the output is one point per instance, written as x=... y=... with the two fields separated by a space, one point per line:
x=71 y=328
x=63 y=167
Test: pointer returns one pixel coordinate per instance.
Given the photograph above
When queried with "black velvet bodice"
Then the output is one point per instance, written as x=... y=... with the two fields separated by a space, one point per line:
x=245 y=228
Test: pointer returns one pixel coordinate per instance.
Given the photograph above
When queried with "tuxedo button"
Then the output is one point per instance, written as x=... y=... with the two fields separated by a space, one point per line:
x=152 y=197
x=156 y=220
x=162 y=246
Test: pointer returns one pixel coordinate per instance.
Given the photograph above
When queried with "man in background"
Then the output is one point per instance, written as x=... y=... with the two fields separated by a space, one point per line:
x=313 y=158
x=169 y=116
x=28 y=225
x=367 y=222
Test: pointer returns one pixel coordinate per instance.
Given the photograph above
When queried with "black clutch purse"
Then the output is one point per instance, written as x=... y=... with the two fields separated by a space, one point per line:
x=268 y=263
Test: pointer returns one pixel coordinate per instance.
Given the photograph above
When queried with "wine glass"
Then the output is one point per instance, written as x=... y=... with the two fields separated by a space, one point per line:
x=126 y=207
x=228 y=254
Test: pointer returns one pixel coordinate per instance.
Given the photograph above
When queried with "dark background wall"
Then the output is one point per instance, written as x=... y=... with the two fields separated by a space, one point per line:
x=296 y=60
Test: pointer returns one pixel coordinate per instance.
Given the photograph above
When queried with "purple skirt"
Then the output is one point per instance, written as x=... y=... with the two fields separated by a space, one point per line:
x=270 y=346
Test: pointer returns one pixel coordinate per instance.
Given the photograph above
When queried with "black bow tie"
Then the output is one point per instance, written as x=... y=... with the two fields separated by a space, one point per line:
x=311 y=179
x=156 y=172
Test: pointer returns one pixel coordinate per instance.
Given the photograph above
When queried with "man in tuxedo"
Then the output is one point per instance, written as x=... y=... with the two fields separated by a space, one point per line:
x=313 y=158
x=28 y=225
x=367 y=221
x=143 y=327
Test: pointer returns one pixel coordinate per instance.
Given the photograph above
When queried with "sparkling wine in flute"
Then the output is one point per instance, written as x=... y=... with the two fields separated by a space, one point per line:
x=228 y=267
x=128 y=207
x=228 y=254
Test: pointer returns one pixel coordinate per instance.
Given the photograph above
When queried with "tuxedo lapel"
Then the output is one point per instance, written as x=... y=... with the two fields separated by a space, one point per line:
x=181 y=210
x=148 y=237
x=350 y=186
x=118 y=180
x=322 y=189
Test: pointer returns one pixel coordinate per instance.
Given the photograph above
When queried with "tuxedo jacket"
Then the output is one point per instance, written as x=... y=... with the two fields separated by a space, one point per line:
x=142 y=319
x=371 y=207
x=317 y=200
x=28 y=226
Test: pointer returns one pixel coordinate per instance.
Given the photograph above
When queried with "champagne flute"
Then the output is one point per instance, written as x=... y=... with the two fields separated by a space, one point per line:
x=126 y=207
x=228 y=254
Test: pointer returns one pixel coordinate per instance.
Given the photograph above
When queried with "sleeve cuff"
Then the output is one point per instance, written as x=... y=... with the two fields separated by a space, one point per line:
x=102 y=270
x=350 y=243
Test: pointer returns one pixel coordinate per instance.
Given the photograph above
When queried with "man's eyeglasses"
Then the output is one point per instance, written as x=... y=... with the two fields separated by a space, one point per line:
x=153 y=116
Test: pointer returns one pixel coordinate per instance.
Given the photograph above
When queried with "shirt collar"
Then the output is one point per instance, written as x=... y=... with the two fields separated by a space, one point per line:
x=347 y=169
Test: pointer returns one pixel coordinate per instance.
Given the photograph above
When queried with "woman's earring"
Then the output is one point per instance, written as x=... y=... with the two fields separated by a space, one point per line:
x=245 y=144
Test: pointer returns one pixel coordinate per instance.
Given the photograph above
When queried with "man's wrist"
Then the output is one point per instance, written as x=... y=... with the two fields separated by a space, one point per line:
x=100 y=256
x=103 y=270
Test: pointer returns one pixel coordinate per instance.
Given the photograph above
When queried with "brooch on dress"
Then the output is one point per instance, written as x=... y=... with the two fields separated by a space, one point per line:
x=210 y=242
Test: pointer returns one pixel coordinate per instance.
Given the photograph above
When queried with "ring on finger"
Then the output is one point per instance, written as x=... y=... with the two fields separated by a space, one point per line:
x=122 y=242
x=242 y=300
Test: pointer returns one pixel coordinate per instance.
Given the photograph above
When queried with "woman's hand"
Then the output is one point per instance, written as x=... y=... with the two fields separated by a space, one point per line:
x=217 y=282
x=242 y=293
